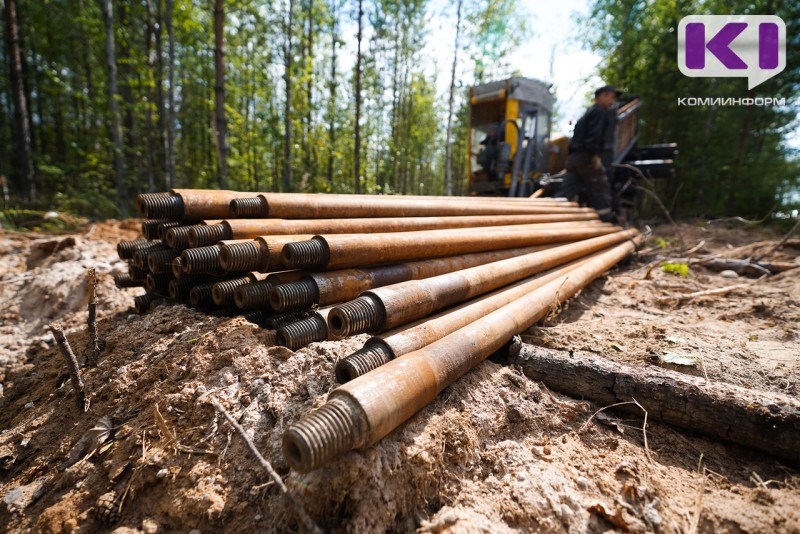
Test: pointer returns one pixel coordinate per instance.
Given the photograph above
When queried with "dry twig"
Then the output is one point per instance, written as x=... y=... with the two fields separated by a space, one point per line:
x=72 y=364
x=709 y=292
x=304 y=517
x=94 y=343
x=781 y=242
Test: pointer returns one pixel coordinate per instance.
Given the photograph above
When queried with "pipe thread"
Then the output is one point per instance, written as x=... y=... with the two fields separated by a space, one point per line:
x=150 y=228
x=280 y=320
x=164 y=227
x=360 y=363
x=241 y=257
x=203 y=260
x=161 y=206
x=222 y=292
x=157 y=281
x=321 y=436
x=126 y=248
x=142 y=303
x=305 y=254
x=177 y=237
x=135 y=272
x=201 y=235
x=256 y=316
x=301 y=333
x=125 y=280
x=160 y=261
x=249 y=208
x=253 y=295
x=179 y=289
x=177 y=267
x=356 y=317
x=295 y=295
x=200 y=295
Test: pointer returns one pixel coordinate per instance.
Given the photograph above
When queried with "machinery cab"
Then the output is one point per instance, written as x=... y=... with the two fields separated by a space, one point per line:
x=509 y=126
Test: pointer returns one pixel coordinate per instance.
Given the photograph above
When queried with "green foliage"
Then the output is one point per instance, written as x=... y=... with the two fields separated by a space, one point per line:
x=681 y=269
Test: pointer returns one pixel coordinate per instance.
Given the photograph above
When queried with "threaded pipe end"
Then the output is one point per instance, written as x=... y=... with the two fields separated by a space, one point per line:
x=200 y=295
x=222 y=292
x=249 y=208
x=179 y=289
x=253 y=295
x=241 y=257
x=256 y=316
x=311 y=254
x=294 y=296
x=142 y=303
x=160 y=261
x=125 y=280
x=301 y=333
x=280 y=320
x=201 y=235
x=177 y=267
x=363 y=314
x=135 y=272
x=177 y=237
x=150 y=228
x=361 y=362
x=126 y=248
x=321 y=436
x=157 y=281
x=143 y=252
x=160 y=206
x=164 y=227
x=203 y=260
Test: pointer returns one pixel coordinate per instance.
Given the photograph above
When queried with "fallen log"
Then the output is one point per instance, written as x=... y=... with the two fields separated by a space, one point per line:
x=760 y=420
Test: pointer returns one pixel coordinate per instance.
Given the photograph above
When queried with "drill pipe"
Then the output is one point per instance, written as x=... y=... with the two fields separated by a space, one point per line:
x=261 y=254
x=364 y=410
x=142 y=303
x=160 y=261
x=354 y=250
x=391 y=306
x=142 y=253
x=332 y=287
x=278 y=320
x=383 y=348
x=200 y=295
x=177 y=267
x=222 y=292
x=150 y=228
x=157 y=281
x=180 y=237
x=211 y=232
x=179 y=289
x=125 y=280
x=127 y=248
x=188 y=205
x=164 y=227
x=204 y=260
x=135 y=272
x=295 y=206
x=256 y=295
x=305 y=331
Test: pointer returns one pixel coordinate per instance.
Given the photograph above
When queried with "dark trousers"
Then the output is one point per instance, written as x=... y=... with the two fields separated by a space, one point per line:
x=586 y=172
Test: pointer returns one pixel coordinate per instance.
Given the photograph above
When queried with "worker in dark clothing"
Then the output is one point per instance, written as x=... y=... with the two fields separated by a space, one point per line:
x=584 y=166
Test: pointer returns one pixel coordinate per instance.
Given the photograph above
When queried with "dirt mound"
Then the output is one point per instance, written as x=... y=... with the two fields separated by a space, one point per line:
x=495 y=452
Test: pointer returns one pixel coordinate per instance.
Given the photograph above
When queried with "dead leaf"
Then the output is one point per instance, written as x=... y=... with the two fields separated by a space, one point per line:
x=617 y=520
x=678 y=359
x=91 y=441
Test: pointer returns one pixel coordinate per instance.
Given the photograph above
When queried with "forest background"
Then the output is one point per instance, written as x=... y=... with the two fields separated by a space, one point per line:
x=103 y=99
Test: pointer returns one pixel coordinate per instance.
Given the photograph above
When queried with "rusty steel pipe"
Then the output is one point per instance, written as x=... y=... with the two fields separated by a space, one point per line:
x=379 y=350
x=362 y=411
x=157 y=281
x=200 y=295
x=164 y=227
x=332 y=287
x=223 y=292
x=127 y=248
x=188 y=205
x=387 y=307
x=135 y=272
x=296 y=206
x=179 y=289
x=142 y=253
x=261 y=254
x=160 y=261
x=328 y=252
x=212 y=232
x=256 y=295
x=142 y=303
x=204 y=260
x=305 y=331
x=150 y=228
x=278 y=320
x=125 y=280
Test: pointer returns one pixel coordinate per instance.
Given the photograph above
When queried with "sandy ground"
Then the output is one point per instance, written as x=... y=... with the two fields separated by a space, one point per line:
x=495 y=452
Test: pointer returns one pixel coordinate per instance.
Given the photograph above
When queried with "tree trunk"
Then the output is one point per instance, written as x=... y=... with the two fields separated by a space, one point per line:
x=287 y=115
x=219 y=93
x=116 y=131
x=152 y=125
x=448 y=176
x=309 y=89
x=768 y=422
x=357 y=150
x=170 y=155
x=744 y=135
x=332 y=104
x=22 y=121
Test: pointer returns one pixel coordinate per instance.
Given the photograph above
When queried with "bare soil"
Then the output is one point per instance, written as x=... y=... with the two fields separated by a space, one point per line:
x=495 y=452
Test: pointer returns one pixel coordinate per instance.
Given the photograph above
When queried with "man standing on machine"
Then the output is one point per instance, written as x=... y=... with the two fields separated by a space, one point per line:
x=584 y=166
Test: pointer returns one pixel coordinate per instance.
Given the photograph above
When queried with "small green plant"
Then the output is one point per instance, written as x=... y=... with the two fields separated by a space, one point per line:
x=677 y=268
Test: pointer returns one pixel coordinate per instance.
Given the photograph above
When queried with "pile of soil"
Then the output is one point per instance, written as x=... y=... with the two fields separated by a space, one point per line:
x=495 y=452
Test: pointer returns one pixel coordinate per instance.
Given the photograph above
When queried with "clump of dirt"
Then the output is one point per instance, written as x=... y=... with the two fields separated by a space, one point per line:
x=495 y=452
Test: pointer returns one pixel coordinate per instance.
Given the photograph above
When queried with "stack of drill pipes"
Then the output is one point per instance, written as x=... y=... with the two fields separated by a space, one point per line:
x=361 y=412
x=270 y=205
x=255 y=295
x=213 y=231
x=333 y=287
x=391 y=306
x=330 y=252
x=263 y=254
x=192 y=205
x=222 y=292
